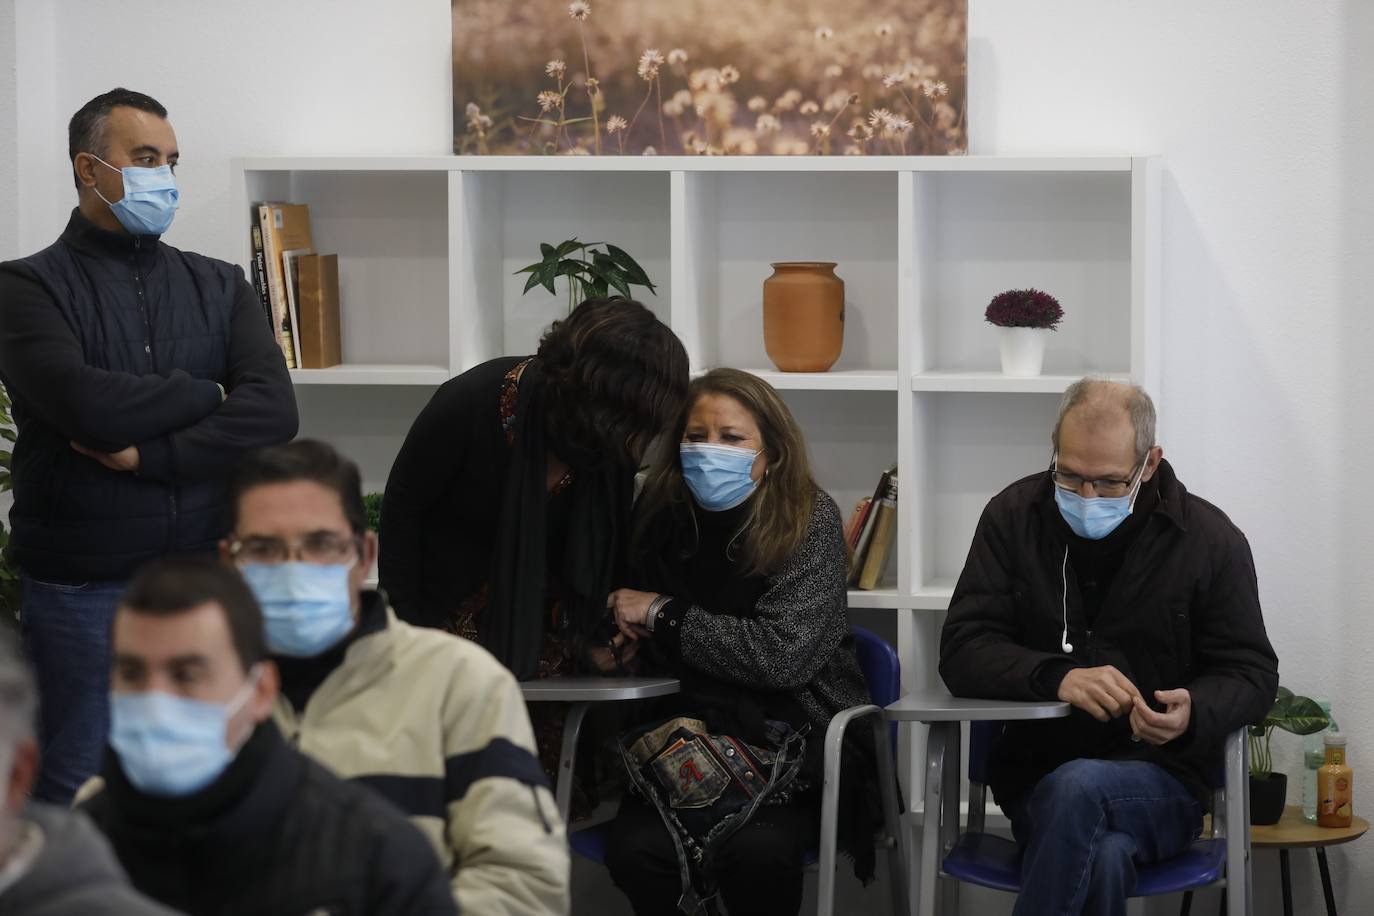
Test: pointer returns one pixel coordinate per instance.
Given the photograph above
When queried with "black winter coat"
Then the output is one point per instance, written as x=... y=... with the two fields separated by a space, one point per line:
x=442 y=512
x=276 y=835
x=1182 y=611
x=110 y=340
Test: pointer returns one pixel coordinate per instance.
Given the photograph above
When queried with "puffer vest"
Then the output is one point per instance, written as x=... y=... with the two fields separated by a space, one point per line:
x=139 y=306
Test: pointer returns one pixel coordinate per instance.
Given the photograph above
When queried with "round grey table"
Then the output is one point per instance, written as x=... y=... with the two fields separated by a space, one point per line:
x=579 y=693
x=945 y=713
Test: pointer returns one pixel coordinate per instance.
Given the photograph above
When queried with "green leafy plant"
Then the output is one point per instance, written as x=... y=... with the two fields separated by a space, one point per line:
x=1294 y=714
x=372 y=504
x=9 y=570
x=590 y=274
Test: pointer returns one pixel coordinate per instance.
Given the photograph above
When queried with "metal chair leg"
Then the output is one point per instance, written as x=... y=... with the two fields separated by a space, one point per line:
x=1186 y=908
x=1238 y=900
x=949 y=816
x=892 y=820
x=936 y=744
x=830 y=799
x=1326 y=881
x=1286 y=880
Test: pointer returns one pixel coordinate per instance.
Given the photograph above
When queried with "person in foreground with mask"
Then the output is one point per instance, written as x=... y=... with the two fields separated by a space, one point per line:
x=430 y=721
x=209 y=810
x=740 y=572
x=52 y=861
x=1105 y=584
x=139 y=373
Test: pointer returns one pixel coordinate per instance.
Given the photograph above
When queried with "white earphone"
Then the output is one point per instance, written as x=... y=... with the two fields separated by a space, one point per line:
x=1064 y=574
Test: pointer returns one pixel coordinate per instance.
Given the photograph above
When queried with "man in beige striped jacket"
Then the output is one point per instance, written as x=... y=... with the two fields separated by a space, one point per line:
x=431 y=721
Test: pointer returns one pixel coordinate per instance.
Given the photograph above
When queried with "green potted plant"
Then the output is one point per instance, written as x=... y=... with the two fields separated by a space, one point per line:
x=1025 y=316
x=372 y=504
x=1269 y=790
x=589 y=273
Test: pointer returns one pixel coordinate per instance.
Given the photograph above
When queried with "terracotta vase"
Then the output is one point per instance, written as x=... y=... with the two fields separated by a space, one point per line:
x=803 y=316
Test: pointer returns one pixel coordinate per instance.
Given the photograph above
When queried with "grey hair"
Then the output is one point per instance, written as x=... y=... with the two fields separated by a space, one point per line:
x=1132 y=398
x=18 y=694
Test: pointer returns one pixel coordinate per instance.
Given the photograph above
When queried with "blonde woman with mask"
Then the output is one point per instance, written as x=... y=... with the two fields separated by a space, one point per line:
x=739 y=574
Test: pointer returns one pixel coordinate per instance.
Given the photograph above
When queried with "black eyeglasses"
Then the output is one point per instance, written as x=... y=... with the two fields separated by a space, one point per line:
x=1102 y=486
x=316 y=547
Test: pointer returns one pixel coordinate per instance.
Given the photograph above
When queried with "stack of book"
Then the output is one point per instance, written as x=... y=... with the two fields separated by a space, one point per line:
x=871 y=531
x=298 y=287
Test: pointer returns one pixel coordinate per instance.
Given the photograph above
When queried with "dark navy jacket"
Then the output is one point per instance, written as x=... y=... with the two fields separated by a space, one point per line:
x=111 y=340
x=1182 y=611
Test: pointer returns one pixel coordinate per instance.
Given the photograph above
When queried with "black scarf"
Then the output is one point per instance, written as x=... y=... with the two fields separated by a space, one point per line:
x=512 y=625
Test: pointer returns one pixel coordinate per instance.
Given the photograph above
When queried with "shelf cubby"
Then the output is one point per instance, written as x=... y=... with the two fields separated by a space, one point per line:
x=390 y=231
x=732 y=226
x=428 y=247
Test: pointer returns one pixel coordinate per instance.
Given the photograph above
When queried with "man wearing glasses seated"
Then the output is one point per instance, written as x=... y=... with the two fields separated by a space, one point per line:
x=431 y=721
x=1106 y=584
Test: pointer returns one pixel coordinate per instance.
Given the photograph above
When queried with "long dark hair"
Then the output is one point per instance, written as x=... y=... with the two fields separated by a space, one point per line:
x=617 y=378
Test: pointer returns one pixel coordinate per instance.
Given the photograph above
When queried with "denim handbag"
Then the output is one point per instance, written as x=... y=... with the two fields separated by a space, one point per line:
x=706 y=787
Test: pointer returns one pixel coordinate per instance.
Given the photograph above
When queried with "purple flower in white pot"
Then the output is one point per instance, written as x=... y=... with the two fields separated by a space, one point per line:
x=1025 y=317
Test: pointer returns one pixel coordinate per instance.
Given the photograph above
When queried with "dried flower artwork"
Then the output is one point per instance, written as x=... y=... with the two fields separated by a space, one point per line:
x=710 y=77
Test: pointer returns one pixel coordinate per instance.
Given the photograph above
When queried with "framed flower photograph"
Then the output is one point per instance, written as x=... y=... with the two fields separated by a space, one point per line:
x=710 y=77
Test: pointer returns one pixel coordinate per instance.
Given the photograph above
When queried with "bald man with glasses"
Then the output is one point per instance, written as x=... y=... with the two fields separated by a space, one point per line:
x=1104 y=583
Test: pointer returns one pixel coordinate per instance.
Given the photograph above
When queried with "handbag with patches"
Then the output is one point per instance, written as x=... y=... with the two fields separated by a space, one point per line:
x=706 y=787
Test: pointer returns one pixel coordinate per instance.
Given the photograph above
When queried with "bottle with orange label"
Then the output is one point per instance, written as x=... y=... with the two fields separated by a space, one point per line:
x=1335 y=785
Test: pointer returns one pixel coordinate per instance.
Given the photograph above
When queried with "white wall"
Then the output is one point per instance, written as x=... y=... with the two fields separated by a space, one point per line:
x=1263 y=110
x=9 y=136
x=1264 y=113
x=247 y=77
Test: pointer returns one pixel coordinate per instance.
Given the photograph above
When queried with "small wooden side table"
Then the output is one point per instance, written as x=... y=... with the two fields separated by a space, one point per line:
x=1292 y=832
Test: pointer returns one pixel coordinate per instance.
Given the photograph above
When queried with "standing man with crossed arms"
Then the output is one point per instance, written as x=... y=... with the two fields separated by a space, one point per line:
x=139 y=373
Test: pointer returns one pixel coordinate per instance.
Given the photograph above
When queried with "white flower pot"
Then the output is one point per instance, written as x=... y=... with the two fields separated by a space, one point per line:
x=1023 y=351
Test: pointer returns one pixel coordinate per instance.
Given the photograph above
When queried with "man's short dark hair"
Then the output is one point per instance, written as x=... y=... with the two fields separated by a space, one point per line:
x=304 y=459
x=86 y=130
x=176 y=585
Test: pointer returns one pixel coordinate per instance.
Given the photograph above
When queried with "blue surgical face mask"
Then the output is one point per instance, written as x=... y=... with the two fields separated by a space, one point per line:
x=1095 y=517
x=150 y=199
x=307 y=608
x=718 y=475
x=172 y=746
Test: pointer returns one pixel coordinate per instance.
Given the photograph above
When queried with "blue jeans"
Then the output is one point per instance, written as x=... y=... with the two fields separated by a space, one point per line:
x=1086 y=826
x=66 y=631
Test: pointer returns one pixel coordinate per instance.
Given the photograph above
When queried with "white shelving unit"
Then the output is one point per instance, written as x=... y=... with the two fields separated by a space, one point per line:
x=428 y=247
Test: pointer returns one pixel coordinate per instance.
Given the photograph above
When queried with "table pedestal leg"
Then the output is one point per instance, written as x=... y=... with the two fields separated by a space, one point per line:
x=572 y=727
x=1287 y=880
x=1326 y=882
